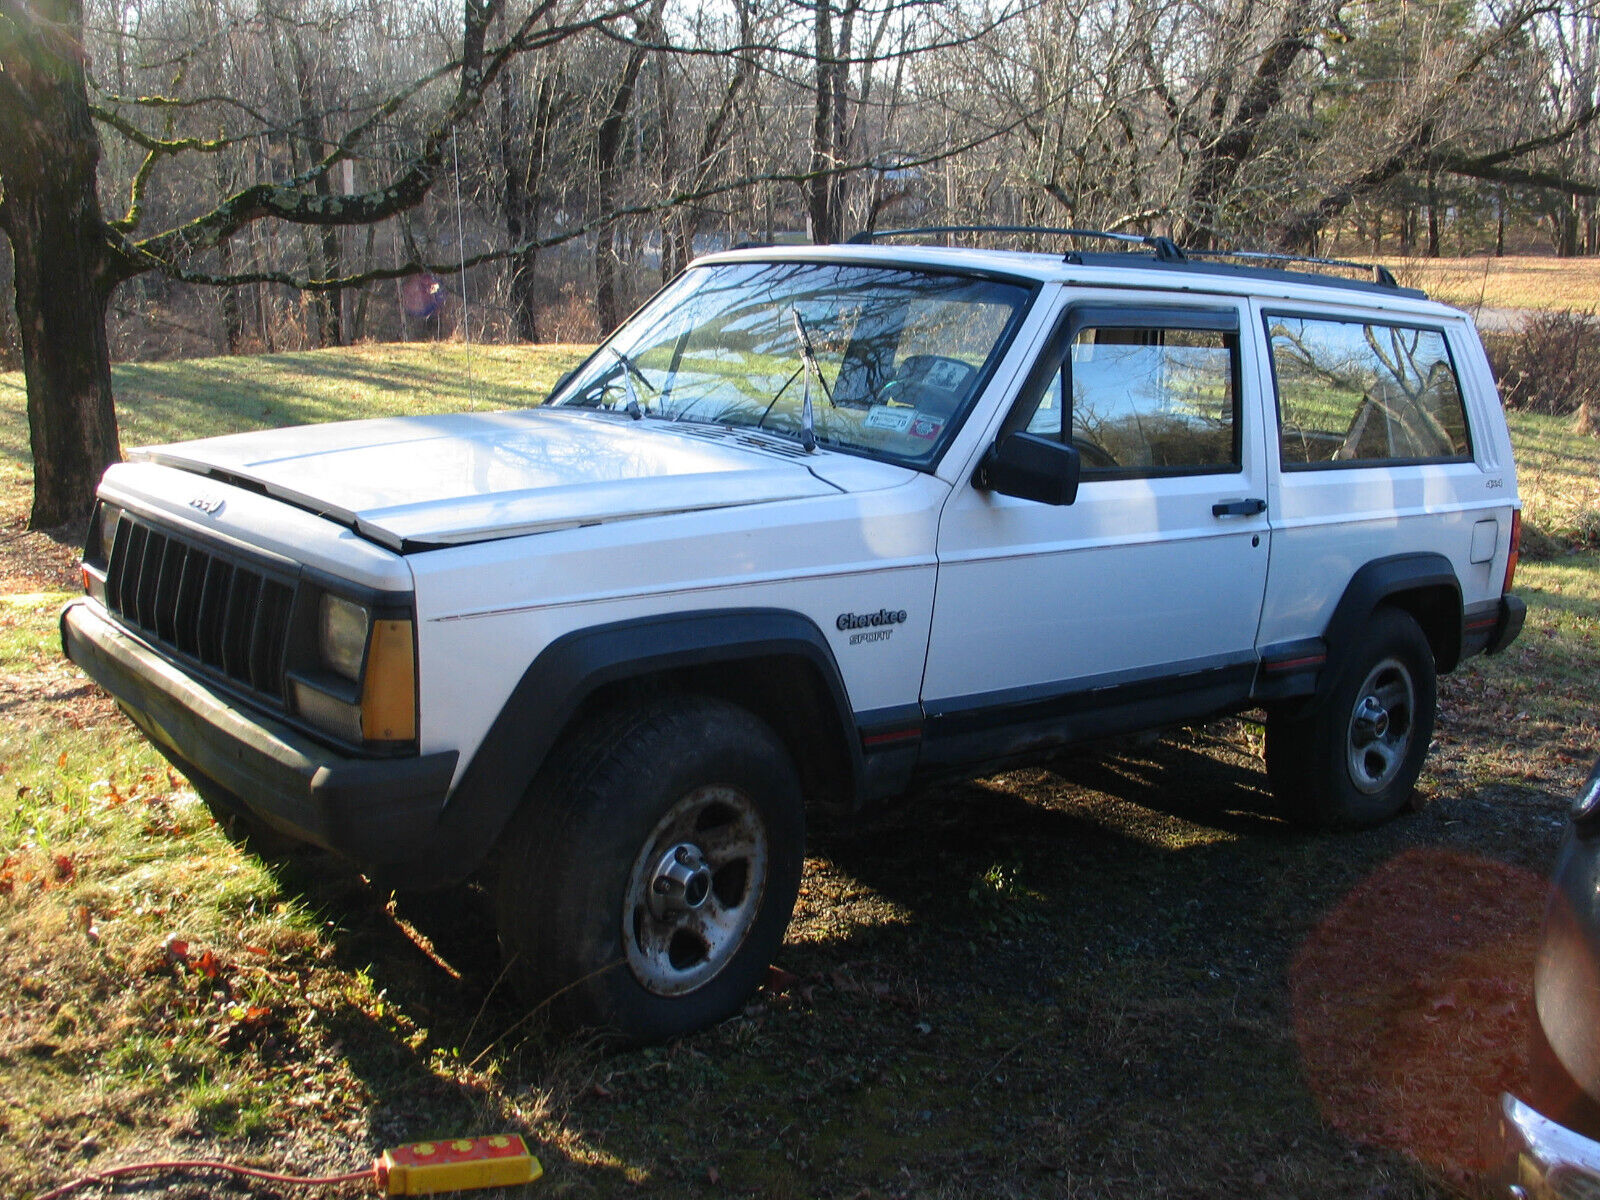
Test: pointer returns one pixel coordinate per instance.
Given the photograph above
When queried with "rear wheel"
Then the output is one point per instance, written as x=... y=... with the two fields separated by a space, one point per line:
x=648 y=879
x=1353 y=760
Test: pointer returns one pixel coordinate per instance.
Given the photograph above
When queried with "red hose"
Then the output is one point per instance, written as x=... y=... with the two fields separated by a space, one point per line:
x=146 y=1168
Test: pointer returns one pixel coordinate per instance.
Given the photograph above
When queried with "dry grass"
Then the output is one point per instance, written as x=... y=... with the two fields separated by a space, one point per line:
x=1118 y=976
x=1515 y=281
x=1558 y=475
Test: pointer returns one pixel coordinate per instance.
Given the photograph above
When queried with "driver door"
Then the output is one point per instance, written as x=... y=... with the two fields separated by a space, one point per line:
x=1137 y=604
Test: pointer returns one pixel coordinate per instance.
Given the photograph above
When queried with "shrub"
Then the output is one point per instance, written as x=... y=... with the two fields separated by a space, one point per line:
x=1550 y=365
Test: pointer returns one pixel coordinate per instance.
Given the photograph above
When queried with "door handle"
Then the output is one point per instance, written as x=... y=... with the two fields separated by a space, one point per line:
x=1238 y=508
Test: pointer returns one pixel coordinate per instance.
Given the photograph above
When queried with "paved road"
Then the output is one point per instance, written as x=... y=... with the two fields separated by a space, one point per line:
x=1501 y=320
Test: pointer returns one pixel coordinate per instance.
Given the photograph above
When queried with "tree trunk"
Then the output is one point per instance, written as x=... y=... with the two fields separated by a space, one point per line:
x=1433 y=215
x=1567 y=228
x=825 y=190
x=51 y=214
x=608 y=145
x=1221 y=160
x=10 y=343
x=524 y=143
x=323 y=256
x=232 y=314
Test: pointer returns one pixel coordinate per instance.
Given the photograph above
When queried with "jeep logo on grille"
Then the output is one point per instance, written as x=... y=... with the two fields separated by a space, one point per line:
x=210 y=505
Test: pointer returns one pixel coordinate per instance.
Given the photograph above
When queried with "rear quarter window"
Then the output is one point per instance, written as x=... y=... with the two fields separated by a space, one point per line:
x=1364 y=393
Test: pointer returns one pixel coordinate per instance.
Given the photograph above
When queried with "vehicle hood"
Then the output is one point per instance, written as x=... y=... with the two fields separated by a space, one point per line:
x=416 y=482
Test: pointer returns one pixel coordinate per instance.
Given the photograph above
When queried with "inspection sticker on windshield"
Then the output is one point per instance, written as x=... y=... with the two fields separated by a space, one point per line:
x=881 y=416
x=926 y=427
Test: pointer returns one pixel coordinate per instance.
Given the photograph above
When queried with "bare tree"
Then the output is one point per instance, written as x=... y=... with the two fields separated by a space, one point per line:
x=69 y=257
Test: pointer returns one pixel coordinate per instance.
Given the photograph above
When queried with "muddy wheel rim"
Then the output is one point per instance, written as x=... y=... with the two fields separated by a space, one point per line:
x=695 y=890
x=1381 y=726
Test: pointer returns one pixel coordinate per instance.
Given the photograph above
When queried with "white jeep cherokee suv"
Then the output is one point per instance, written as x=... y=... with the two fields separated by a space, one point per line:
x=815 y=524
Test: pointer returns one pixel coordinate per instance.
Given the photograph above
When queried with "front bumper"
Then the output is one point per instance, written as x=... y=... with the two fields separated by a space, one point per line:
x=380 y=813
x=1541 y=1159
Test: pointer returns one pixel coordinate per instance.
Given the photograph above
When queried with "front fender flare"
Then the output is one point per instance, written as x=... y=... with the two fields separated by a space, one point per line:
x=570 y=669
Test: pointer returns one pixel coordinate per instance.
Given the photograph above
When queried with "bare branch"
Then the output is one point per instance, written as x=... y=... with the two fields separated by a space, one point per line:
x=163 y=146
x=177 y=102
x=478 y=69
x=456 y=266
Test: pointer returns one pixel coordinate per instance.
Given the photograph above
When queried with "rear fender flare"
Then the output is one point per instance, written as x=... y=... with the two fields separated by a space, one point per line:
x=1381 y=581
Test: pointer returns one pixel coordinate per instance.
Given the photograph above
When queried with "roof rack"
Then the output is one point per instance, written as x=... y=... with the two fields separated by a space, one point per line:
x=1166 y=250
x=1381 y=275
x=1169 y=255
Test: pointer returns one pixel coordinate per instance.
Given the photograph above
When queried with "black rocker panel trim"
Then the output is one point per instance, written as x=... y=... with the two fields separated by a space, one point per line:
x=1290 y=669
x=574 y=666
x=891 y=743
x=997 y=727
x=1479 y=623
x=883 y=729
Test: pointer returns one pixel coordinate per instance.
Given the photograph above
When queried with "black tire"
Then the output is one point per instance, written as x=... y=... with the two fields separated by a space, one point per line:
x=1352 y=761
x=649 y=876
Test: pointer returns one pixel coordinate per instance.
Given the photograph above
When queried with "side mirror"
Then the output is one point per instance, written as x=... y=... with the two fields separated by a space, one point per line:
x=1031 y=467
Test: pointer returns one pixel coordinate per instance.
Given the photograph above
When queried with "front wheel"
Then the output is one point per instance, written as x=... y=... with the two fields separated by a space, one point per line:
x=649 y=877
x=1353 y=760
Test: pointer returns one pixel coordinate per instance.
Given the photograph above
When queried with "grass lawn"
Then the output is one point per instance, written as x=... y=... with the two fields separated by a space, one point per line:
x=175 y=401
x=1118 y=976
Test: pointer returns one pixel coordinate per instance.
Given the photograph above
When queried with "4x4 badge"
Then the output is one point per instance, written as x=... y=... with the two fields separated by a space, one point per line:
x=210 y=505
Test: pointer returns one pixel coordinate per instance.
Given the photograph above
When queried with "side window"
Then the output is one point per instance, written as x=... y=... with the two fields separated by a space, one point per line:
x=1151 y=401
x=1357 y=393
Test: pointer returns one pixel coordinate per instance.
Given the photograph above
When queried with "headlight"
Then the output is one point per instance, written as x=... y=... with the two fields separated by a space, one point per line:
x=363 y=687
x=342 y=635
x=104 y=535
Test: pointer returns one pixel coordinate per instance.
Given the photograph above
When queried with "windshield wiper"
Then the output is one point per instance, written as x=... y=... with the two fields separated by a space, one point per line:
x=809 y=364
x=629 y=373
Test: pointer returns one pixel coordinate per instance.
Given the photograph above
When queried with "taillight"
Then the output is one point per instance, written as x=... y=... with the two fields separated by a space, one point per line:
x=1516 y=550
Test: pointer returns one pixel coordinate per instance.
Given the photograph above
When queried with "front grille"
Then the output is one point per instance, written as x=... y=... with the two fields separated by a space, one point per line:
x=203 y=604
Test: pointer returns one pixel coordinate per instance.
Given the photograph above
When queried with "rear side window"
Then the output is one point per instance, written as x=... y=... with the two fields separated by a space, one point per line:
x=1355 y=393
x=1157 y=399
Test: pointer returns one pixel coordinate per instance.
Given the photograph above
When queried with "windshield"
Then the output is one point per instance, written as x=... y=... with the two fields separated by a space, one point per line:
x=895 y=355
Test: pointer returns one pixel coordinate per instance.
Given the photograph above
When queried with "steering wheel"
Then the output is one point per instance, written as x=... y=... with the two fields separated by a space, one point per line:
x=932 y=383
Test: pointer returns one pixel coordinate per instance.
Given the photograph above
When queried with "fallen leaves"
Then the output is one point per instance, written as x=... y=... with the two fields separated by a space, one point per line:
x=205 y=965
x=29 y=869
x=246 y=1025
